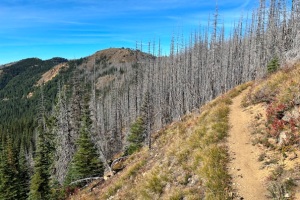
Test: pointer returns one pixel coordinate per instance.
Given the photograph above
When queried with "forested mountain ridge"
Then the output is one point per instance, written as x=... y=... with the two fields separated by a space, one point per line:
x=110 y=104
x=31 y=89
x=16 y=81
x=20 y=81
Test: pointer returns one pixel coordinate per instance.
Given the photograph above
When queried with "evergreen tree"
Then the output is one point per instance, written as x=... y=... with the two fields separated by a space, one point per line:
x=140 y=130
x=40 y=181
x=273 y=65
x=23 y=174
x=136 y=136
x=147 y=116
x=9 y=187
x=86 y=162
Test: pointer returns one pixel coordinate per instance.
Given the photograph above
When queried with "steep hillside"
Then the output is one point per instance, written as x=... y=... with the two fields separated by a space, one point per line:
x=106 y=61
x=187 y=160
x=275 y=129
x=243 y=145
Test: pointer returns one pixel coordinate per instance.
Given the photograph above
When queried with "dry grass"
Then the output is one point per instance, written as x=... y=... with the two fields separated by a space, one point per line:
x=280 y=93
x=281 y=86
x=104 y=81
x=188 y=160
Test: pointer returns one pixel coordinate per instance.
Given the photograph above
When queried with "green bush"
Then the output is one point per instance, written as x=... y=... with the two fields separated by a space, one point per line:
x=132 y=148
x=273 y=65
x=137 y=131
x=136 y=136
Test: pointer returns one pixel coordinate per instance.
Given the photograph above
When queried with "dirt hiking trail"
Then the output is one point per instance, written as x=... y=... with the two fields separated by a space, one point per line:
x=244 y=167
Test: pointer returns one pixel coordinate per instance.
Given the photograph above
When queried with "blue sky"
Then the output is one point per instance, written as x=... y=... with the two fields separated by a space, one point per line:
x=78 y=28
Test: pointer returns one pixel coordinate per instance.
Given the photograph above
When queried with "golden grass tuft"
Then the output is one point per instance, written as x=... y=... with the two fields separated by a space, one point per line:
x=281 y=86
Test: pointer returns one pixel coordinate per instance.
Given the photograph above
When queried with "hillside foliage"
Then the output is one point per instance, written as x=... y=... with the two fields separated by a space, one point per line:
x=113 y=101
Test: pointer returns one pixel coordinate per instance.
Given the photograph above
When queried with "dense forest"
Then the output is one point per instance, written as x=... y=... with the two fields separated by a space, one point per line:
x=109 y=103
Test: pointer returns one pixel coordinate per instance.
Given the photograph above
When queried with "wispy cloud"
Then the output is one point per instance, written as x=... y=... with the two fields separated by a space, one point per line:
x=102 y=23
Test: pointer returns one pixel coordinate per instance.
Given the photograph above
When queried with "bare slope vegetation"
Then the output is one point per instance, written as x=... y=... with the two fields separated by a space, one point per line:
x=112 y=57
x=276 y=130
x=188 y=159
x=49 y=75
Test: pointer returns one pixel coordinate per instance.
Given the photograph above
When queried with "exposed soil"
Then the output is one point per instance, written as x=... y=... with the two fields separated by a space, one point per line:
x=104 y=81
x=247 y=176
x=49 y=75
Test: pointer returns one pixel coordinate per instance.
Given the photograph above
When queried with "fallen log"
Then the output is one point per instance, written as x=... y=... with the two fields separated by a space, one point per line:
x=85 y=180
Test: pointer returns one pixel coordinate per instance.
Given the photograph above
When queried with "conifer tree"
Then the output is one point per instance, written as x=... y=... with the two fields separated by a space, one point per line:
x=273 y=65
x=147 y=116
x=136 y=136
x=14 y=176
x=40 y=181
x=23 y=174
x=9 y=187
x=86 y=162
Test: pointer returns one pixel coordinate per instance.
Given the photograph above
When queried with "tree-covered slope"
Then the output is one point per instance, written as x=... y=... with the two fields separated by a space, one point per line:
x=193 y=159
x=41 y=105
x=18 y=80
x=17 y=107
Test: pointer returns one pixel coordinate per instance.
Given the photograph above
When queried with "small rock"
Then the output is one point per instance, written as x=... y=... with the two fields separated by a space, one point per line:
x=293 y=114
x=193 y=180
x=297 y=100
x=231 y=194
x=272 y=141
x=282 y=138
x=168 y=187
x=287 y=116
x=287 y=195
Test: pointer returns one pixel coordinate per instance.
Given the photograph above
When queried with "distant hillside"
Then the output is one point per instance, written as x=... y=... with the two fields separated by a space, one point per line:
x=30 y=90
x=19 y=98
x=7 y=65
x=18 y=79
